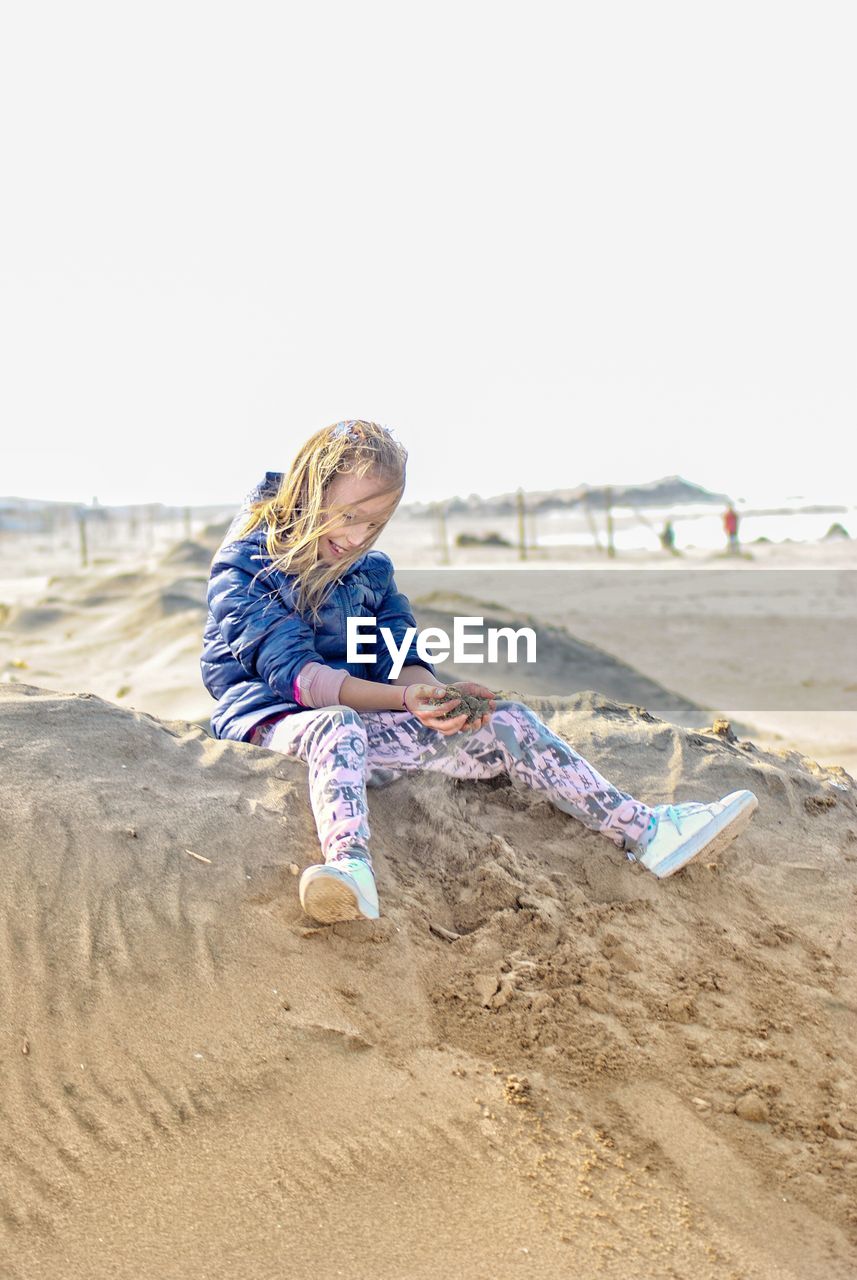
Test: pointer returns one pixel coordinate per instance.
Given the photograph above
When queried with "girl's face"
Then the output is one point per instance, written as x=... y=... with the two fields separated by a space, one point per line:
x=366 y=512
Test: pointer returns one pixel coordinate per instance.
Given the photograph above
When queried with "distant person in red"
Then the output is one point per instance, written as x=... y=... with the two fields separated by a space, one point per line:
x=730 y=525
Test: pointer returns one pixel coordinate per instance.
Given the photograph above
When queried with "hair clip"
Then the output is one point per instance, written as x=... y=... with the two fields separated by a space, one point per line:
x=346 y=429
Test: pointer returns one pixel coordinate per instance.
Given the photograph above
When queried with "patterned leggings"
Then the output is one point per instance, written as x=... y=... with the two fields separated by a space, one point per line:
x=347 y=750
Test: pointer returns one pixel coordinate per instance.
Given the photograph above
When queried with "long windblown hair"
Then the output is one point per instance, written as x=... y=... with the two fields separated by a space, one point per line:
x=298 y=515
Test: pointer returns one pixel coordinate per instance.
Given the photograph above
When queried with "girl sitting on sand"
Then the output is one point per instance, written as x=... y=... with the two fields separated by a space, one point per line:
x=294 y=565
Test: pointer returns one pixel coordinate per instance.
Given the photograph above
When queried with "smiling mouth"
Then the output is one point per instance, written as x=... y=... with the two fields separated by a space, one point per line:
x=339 y=550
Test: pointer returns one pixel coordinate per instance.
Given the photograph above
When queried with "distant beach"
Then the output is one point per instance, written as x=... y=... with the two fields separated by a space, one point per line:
x=134 y=563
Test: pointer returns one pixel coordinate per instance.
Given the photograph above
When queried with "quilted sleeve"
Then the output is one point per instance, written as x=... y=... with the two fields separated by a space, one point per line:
x=270 y=640
x=394 y=611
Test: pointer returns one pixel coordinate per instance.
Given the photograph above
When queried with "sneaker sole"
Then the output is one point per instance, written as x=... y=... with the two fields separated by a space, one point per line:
x=329 y=900
x=713 y=838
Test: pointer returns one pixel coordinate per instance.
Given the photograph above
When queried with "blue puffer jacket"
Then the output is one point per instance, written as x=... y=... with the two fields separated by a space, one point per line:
x=255 y=642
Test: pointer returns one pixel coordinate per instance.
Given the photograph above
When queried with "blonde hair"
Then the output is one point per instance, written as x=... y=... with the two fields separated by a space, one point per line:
x=295 y=515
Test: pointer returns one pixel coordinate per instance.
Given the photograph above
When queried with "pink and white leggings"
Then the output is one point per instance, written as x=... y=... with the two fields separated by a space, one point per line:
x=347 y=750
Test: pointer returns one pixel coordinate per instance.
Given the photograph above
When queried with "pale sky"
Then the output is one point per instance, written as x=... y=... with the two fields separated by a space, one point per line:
x=548 y=243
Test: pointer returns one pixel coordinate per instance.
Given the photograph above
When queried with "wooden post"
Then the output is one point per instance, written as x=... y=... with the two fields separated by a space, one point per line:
x=534 y=533
x=81 y=524
x=590 y=520
x=443 y=542
x=522 y=524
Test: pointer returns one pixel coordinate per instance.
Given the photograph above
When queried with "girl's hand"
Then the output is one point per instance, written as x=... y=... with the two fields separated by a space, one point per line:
x=429 y=714
x=477 y=691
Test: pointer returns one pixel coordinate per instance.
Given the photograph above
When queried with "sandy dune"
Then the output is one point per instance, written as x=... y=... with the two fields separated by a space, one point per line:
x=188 y=1065
x=539 y=1061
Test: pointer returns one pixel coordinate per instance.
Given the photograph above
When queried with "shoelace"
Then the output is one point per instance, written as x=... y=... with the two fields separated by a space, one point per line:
x=673 y=814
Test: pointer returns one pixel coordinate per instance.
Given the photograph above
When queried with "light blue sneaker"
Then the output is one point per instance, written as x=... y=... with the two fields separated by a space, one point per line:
x=683 y=831
x=343 y=889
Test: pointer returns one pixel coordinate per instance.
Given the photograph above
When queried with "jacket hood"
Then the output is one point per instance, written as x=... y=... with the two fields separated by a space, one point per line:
x=266 y=489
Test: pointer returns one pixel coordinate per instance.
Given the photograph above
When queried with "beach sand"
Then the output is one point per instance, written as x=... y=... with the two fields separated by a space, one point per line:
x=541 y=1060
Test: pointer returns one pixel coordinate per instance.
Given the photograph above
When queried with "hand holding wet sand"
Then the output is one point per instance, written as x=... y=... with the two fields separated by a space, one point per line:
x=461 y=706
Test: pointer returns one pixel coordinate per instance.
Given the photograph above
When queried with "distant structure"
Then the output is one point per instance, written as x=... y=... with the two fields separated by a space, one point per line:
x=671 y=491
